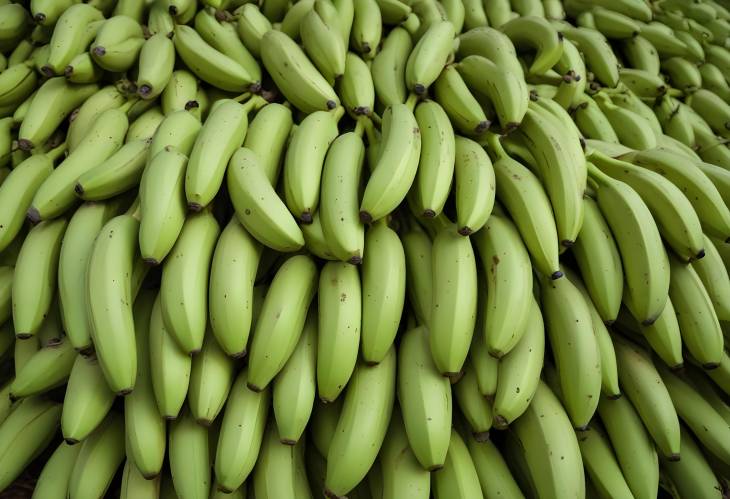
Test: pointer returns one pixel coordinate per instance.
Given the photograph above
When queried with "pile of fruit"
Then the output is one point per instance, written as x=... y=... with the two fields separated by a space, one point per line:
x=386 y=249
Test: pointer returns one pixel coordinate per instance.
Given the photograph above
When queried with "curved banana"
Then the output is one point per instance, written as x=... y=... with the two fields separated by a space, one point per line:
x=136 y=485
x=476 y=409
x=73 y=32
x=536 y=33
x=366 y=27
x=117 y=44
x=419 y=274
x=275 y=471
x=180 y=93
x=475 y=186
x=189 y=457
x=54 y=477
x=322 y=40
x=458 y=477
x=251 y=27
x=429 y=56
x=389 y=65
x=601 y=464
x=156 y=62
x=211 y=378
x=463 y=109
x=17 y=83
x=402 y=474
x=692 y=475
x=267 y=136
x=356 y=86
x=106 y=98
x=712 y=272
x=87 y=401
x=119 y=173
x=45 y=369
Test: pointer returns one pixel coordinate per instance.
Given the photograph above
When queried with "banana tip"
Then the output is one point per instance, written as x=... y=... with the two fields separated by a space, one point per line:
x=306 y=217
x=79 y=190
x=40 y=17
x=355 y=260
x=47 y=71
x=674 y=457
x=614 y=396
x=71 y=441
x=33 y=215
x=582 y=428
x=465 y=231
x=144 y=91
x=173 y=10
x=365 y=217
x=25 y=144
x=567 y=243
x=709 y=366
x=419 y=88
x=288 y=441
x=151 y=261
x=191 y=104
x=331 y=495
x=68 y=71
x=239 y=355
x=204 y=422
x=700 y=254
x=100 y=51
x=254 y=388
x=23 y=336
x=677 y=367
x=500 y=422
x=649 y=321
x=556 y=275
x=481 y=436
x=482 y=126
x=124 y=392
x=224 y=490
x=428 y=213
x=435 y=467
x=331 y=104
x=195 y=207
x=454 y=377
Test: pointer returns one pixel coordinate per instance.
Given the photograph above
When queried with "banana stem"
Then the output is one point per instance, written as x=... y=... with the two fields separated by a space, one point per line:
x=360 y=125
x=255 y=103
x=338 y=113
x=494 y=146
x=57 y=151
x=128 y=105
x=135 y=209
x=412 y=100
x=243 y=97
x=596 y=175
x=370 y=133
x=376 y=119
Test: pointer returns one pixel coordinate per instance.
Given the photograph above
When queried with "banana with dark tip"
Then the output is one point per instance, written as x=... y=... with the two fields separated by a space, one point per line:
x=429 y=56
x=536 y=33
x=356 y=86
x=460 y=105
x=16 y=83
x=156 y=62
x=322 y=40
x=117 y=44
x=367 y=27
x=598 y=54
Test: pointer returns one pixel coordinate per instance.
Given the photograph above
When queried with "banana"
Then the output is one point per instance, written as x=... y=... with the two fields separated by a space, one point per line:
x=548 y=446
x=179 y=130
x=663 y=336
x=73 y=32
x=711 y=270
x=397 y=163
x=682 y=73
x=109 y=301
x=221 y=134
x=713 y=109
x=402 y=474
x=184 y=281
x=117 y=44
x=476 y=409
x=692 y=476
x=499 y=243
x=575 y=347
x=295 y=386
x=189 y=457
x=222 y=36
x=211 y=377
x=180 y=93
x=474 y=186
x=251 y=27
x=275 y=471
x=454 y=301
x=368 y=405
x=388 y=68
x=144 y=428
x=162 y=204
x=642 y=83
x=135 y=485
x=703 y=195
x=209 y=64
x=45 y=369
x=106 y=98
x=356 y=86
x=119 y=173
x=425 y=400
x=292 y=21
x=675 y=217
x=417 y=248
x=258 y=207
x=535 y=33
x=630 y=128
x=304 y=162
x=429 y=56
x=17 y=191
x=144 y=125
x=56 y=194
x=518 y=373
x=54 y=477
x=17 y=83
x=458 y=477
x=635 y=452
x=501 y=86
x=366 y=27
x=339 y=208
x=340 y=322
x=156 y=62
x=171 y=378
x=87 y=400
x=640 y=53
x=322 y=40
x=599 y=57
x=267 y=136
x=280 y=324
x=83 y=69
x=295 y=75
x=707 y=425
x=460 y=105
x=230 y=294
x=644 y=388
x=315 y=241
x=615 y=25
x=674 y=121
x=644 y=259
x=713 y=80
x=601 y=465
x=160 y=20
x=495 y=477
x=35 y=276
x=26 y=432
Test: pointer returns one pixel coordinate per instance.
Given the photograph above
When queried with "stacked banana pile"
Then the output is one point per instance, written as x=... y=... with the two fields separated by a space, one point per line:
x=340 y=246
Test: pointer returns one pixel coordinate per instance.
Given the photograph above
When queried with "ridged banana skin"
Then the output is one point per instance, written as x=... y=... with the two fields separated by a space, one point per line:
x=304 y=162
x=494 y=476
x=230 y=292
x=419 y=274
x=674 y=215
x=429 y=56
x=340 y=324
x=209 y=64
x=454 y=301
x=17 y=82
x=296 y=384
x=184 y=281
x=221 y=135
x=276 y=469
x=362 y=426
x=211 y=378
x=26 y=432
x=707 y=425
x=339 y=198
x=642 y=252
x=712 y=272
x=145 y=121
x=162 y=204
x=692 y=476
x=601 y=465
x=518 y=373
x=388 y=67
x=189 y=458
x=458 y=477
x=550 y=447
x=56 y=194
x=633 y=446
x=474 y=186
x=644 y=388
x=251 y=26
x=97 y=462
x=178 y=129
x=323 y=42
x=460 y=105
x=134 y=485
x=145 y=430
x=425 y=400
x=54 y=477
x=35 y=277
x=106 y=98
x=508 y=273
x=383 y=290
x=87 y=400
x=171 y=378
x=156 y=63
x=295 y=75
x=267 y=136
x=698 y=322
x=665 y=337
x=281 y=320
x=397 y=164
x=476 y=409
x=570 y=331
x=118 y=174
x=592 y=122
x=365 y=28
x=536 y=33
x=71 y=36
x=402 y=474
x=258 y=207
x=356 y=86
x=241 y=434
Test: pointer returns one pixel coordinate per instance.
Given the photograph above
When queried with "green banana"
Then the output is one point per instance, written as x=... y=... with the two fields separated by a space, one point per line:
x=629 y=126
x=474 y=186
x=45 y=369
x=535 y=33
x=136 y=485
x=275 y=471
x=322 y=40
x=119 y=173
x=692 y=476
x=73 y=32
x=476 y=409
x=189 y=457
x=156 y=62
x=419 y=274
x=211 y=377
x=180 y=93
x=267 y=136
x=87 y=401
x=458 y=477
x=251 y=27
x=117 y=44
x=402 y=474
x=54 y=477
x=429 y=56
x=356 y=86
x=366 y=27
x=601 y=464
x=388 y=68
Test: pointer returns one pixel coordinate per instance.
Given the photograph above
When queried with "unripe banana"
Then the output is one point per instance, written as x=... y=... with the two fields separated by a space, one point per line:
x=180 y=93
x=54 y=477
x=417 y=248
x=184 y=281
x=600 y=464
x=458 y=477
x=537 y=34
x=474 y=186
x=402 y=474
x=189 y=457
x=251 y=27
x=356 y=86
x=16 y=83
x=267 y=136
x=210 y=381
x=73 y=32
x=136 y=485
x=475 y=408
x=87 y=400
x=119 y=173
x=367 y=27
x=388 y=68
x=117 y=44
x=692 y=475
x=429 y=56
x=293 y=18
x=459 y=103
x=323 y=41
x=144 y=125
x=495 y=477
x=156 y=61
x=45 y=369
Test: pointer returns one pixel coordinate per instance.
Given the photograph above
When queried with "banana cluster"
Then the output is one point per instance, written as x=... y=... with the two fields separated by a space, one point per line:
x=387 y=249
